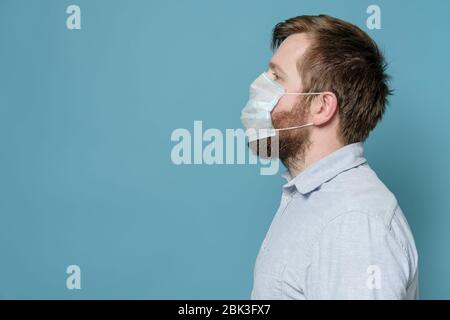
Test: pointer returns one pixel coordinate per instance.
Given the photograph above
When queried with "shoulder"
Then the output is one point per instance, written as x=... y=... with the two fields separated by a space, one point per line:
x=366 y=209
x=359 y=193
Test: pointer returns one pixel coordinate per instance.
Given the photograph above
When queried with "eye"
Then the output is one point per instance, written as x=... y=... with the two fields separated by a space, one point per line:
x=275 y=76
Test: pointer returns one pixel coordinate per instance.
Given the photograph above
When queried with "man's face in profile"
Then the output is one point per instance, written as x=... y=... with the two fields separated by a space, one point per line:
x=290 y=110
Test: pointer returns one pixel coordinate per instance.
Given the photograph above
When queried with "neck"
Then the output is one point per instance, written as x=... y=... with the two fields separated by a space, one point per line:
x=313 y=153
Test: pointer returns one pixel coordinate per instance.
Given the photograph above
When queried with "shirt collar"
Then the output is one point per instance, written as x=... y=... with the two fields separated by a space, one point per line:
x=327 y=168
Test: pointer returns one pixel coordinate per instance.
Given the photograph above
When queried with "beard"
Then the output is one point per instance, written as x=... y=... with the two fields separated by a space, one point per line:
x=291 y=144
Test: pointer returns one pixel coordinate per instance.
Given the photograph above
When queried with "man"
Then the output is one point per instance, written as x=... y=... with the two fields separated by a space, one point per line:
x=339 y=233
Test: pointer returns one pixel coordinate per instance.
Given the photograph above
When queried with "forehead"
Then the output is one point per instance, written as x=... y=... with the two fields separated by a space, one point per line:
x=291 y=50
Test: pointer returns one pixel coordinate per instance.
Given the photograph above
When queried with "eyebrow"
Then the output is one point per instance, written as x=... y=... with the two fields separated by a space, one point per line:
x=276 y=67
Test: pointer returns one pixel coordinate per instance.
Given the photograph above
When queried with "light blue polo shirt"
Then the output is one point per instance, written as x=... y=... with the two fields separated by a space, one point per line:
x=339 y=233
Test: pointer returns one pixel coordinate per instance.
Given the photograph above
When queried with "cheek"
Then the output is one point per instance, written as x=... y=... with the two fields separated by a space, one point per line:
x=285 y=104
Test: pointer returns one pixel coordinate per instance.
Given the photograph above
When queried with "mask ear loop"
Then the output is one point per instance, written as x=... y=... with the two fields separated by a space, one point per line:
x=304 y=125
x=303 y=94
x=297 y=127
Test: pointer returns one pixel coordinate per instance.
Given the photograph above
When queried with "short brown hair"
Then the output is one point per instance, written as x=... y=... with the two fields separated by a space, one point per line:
x=342 y=59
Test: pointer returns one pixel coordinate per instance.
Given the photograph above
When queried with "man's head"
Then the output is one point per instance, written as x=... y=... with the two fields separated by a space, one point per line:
x=331 y=56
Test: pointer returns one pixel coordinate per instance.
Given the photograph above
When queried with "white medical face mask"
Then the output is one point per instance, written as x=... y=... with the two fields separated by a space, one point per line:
x=256 y=115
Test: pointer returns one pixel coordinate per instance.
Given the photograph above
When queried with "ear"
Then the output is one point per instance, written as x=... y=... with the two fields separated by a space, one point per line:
x=323 y=108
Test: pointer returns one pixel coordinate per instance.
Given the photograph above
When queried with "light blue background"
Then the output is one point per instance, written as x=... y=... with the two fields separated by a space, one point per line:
x=85 y=123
